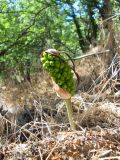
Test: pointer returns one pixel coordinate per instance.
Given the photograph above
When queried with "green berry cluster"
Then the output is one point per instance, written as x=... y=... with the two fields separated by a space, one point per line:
x=59 y=70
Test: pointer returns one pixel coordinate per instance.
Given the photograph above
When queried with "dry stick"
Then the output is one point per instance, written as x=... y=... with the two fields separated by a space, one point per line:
x=87 y=55
x=112 y=17
x=40 y=154
x=110 y=158
x=70 y=113
x=52 y=150
x=20 y=128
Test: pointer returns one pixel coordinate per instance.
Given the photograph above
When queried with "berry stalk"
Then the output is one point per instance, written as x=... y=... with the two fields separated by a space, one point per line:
x=70 y=113
x=62 y=77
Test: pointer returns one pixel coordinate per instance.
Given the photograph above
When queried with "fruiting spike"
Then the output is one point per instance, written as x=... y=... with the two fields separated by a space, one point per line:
x=62 y=77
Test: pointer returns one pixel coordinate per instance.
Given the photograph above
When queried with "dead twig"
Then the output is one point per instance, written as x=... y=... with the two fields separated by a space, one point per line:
x=52 y=150
x=91 y=54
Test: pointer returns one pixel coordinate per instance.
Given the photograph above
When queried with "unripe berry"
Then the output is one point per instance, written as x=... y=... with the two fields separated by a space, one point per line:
x=59 y=70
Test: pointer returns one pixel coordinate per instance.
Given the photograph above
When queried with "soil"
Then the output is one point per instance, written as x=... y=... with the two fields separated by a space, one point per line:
x=34 y=122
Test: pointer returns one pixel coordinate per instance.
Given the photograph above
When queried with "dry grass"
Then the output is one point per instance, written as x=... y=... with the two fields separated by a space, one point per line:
x=42 y=132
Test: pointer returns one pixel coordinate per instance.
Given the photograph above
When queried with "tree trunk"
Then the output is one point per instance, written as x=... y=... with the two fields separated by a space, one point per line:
x=106 y=14
x=77 y=25
x=108 y=26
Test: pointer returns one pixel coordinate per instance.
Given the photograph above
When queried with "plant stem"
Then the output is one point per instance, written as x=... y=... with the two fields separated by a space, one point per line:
x=70 y=113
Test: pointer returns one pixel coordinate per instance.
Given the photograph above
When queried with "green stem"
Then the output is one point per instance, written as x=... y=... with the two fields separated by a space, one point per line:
x=70 y=113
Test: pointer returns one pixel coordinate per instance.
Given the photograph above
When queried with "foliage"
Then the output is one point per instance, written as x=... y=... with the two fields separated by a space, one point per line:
x=27 y=27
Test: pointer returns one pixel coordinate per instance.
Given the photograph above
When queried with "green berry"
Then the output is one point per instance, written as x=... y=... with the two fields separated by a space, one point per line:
x=51 y=63
x=50 y=57
x=45 y=55
x=59 y=70
x=43 y=60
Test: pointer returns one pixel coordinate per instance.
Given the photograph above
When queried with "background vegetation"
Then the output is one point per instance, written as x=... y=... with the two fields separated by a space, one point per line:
x=33 y=119
x=27 y=27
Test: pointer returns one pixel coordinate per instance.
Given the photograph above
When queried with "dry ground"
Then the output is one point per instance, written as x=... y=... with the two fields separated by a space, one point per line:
x=35 y=124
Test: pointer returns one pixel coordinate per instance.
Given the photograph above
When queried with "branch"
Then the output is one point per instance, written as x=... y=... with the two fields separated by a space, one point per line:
x=4 y=12
x=23 y=33
x=111 y=17
x=91 y=54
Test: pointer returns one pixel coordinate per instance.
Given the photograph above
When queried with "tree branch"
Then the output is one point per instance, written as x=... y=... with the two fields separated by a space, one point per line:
x=23 y=33
x=6 y=12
